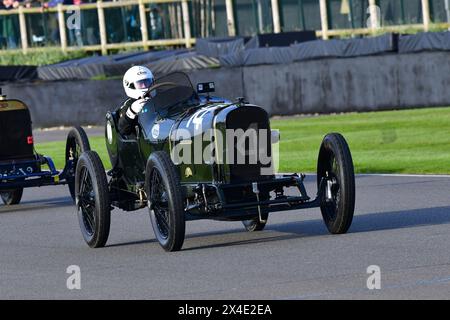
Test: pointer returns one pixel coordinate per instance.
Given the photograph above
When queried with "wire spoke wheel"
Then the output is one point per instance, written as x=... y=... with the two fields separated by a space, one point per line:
x=336 y=180
x=12 y=197
x=253 y=225
x=92 y=199
x=332 y=175
x=77 y=143
x=86 y=200
x=165 y=201
x=158 y=199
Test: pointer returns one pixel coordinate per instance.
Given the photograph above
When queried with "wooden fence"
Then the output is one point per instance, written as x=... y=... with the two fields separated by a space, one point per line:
x=184 y=23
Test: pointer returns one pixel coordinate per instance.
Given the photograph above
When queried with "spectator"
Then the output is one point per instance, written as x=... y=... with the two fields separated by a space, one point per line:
x=89 y=21
x=54 y=3
x=2 y=40
x=52 y=18
x=131 y=15
x=9 y=25
x=34 y=24
x=51 y=21
x=156 y=22
x=31 y=3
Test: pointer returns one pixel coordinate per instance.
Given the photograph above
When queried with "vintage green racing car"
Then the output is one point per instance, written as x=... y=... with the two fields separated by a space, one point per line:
x=194 y=156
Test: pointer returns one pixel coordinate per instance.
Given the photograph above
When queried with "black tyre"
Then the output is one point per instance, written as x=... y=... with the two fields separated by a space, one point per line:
x=253 y=225
x=335 y=165
x=165 y=201
x=77 y=143
x=12 y=197
x=92 y=199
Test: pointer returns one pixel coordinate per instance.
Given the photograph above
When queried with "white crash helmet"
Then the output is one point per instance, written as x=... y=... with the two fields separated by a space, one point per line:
x=137 y=80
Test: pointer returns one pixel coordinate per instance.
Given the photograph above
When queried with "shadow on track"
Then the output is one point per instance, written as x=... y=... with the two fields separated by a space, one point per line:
x=32 y=205
x=361 y=223
x=374 y=221
x=401 y=219
x=313 y=228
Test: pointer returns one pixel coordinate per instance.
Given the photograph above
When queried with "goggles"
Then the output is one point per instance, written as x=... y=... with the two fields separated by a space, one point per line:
x=143 y=84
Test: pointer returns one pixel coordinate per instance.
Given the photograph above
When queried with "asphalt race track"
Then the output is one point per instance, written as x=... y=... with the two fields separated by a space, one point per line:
x=402 y=224
x=60 y=134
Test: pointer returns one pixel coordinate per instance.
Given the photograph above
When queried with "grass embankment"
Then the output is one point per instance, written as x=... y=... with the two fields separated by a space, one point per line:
x=407 y=141
x=39 y=57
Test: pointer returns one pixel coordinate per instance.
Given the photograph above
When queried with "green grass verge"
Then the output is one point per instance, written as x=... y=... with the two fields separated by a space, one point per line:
x=38 y=58
x=407 y=141
x=57 y=149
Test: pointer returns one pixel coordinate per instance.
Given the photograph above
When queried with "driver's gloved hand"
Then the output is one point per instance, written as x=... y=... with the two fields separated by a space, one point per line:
x=135 y=108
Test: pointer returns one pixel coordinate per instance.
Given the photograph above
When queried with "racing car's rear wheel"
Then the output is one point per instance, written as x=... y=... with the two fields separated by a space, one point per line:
x=165 y=201
x=254 y=225
x=92 y=199
x=335 y=175
x=12 y=197
x=77 y=143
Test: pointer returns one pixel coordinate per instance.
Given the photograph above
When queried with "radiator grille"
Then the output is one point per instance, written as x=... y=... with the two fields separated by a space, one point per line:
x=248 y=117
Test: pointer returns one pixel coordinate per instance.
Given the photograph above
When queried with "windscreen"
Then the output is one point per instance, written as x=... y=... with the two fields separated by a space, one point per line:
x=175 y=89
x=173 y=93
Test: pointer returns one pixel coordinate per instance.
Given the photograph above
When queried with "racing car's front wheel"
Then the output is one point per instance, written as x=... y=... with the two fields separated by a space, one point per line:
x=77 y=143
x=92 y=199
x=336 y=181
x=165 y=201
x=12 y=197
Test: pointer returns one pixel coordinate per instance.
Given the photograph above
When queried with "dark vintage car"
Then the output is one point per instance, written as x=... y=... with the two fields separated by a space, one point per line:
x=20 y=165
x=175 y=165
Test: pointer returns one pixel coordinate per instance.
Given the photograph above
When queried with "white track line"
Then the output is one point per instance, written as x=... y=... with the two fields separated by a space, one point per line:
x=388 y=175
x=405 y=175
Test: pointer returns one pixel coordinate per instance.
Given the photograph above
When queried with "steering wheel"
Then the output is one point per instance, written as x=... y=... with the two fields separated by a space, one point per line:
x=158 y=85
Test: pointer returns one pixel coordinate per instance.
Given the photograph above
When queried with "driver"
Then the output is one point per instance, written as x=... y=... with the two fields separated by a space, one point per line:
x=136 y=82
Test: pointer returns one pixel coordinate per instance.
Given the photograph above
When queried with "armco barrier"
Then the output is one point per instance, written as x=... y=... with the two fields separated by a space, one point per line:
x=392 y=81
x=352 y=84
